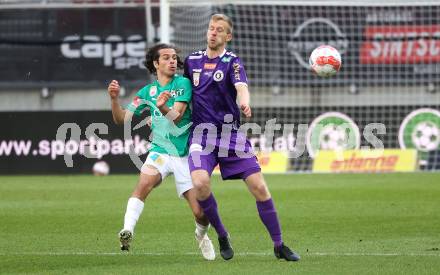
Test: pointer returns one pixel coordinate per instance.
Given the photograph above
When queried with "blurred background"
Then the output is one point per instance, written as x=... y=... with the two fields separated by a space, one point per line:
x=58 y=56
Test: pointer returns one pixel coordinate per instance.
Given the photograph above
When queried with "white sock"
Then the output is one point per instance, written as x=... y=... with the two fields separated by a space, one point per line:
x=201 y=230
x=134 y=210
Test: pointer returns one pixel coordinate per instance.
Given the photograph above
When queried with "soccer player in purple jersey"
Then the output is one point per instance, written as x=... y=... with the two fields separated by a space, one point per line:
x=218 y=79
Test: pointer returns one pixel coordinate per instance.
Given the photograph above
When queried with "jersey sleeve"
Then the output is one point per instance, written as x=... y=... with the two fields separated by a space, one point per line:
x=139 y=103
x=184 y=91
x=237 y=72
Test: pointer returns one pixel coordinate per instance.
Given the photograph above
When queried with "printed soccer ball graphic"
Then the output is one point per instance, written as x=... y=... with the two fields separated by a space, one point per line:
x=426 y=136
x=333 y=137
x=325 y=61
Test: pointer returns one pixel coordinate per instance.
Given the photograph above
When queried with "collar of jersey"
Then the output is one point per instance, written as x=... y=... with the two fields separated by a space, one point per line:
x=166 y=86
x=220 y=56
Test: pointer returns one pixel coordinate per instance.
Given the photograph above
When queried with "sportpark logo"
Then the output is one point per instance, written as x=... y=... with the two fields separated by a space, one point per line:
x=91 y=147
x=113 y=50
x=326 y=32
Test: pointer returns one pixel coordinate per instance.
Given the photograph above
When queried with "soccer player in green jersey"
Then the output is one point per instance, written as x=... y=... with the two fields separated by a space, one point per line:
x=167 y=98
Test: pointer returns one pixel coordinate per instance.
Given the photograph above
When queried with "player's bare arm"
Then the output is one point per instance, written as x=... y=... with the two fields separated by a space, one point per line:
x=119 y=115
x=243 y=99
x=177 y=111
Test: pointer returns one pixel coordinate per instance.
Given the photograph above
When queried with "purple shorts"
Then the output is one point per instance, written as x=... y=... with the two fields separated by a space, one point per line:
x=234 y=163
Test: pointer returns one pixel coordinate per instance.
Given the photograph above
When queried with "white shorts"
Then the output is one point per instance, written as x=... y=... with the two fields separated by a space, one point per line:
x=178 y=166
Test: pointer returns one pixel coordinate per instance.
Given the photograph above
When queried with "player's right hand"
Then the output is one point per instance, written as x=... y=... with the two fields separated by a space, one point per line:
x=162 y=99
x=246 y=110
x=114 y=89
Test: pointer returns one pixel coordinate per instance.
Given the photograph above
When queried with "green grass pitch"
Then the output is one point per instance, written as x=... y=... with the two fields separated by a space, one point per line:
x=339 y=224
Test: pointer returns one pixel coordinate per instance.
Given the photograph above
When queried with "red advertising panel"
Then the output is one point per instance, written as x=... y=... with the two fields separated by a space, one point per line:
x=402 y=44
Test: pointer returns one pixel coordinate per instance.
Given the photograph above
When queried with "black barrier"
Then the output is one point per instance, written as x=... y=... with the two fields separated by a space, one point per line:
x=73 y=47
x=29 y=145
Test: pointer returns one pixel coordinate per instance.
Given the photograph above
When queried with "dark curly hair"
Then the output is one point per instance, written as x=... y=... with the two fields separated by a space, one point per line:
x=153 y=55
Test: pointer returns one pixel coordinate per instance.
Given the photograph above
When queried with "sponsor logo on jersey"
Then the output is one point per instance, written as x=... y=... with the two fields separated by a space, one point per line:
x=196 y=78
x=175 y=93
x=209 y=66
x=153 y=90
x=226 y=59
x=236 y=67
x=218 y=75
x=180 y=92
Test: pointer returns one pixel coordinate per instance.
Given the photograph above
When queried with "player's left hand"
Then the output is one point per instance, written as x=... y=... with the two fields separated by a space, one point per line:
x=246 y=110
x=162 y=99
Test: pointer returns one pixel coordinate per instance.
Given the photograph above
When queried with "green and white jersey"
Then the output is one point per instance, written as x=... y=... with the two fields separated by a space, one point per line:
x=168 y=138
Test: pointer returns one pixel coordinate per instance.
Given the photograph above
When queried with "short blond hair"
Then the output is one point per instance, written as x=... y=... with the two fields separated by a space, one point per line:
x=224 y=17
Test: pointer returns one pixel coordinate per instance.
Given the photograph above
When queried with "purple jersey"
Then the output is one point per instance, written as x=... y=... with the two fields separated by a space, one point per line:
x=214 y=97
x=214 y=93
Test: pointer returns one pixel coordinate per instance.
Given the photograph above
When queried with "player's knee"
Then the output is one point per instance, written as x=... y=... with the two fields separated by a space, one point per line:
x=201 y=183
x=202 y=190
x=261 y=191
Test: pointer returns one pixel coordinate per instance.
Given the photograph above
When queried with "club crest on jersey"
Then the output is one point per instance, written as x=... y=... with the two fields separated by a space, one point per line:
x=153 y=90
x=218 y=75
